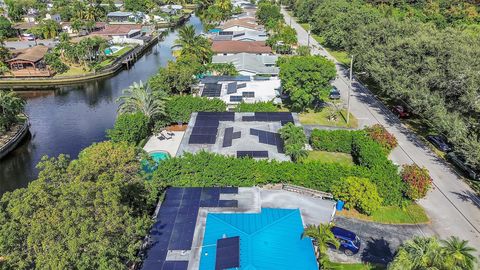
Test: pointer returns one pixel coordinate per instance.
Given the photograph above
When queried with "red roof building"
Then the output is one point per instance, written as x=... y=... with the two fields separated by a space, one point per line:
x=234 y=46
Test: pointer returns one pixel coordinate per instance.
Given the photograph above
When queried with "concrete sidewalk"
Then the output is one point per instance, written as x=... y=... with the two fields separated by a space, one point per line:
x=452 y=205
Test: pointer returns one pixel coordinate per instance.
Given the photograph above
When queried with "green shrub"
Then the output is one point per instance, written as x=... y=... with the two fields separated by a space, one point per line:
x=294 y=141
x=129 y=127
x=358 y=193
x=418 y=181
x=256 y=107
x=333 y=140
x=179 y=108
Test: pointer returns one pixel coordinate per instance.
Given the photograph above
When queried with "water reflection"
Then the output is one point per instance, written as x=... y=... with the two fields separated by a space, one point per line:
x=68 y=119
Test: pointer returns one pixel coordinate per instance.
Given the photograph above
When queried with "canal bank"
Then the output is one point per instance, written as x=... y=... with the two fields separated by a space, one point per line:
x=67 y=119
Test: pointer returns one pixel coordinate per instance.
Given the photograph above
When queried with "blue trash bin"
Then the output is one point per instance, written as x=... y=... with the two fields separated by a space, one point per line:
x=340 y=205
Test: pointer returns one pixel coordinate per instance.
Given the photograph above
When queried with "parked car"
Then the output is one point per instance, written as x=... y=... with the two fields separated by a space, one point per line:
x=440 y=143
x=460 y=162
x=349 y=241
x=400 y=111
x=334 y=93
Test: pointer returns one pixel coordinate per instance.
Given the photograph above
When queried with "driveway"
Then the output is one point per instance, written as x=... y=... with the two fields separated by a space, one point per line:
x=379 y=242
x=452 y=205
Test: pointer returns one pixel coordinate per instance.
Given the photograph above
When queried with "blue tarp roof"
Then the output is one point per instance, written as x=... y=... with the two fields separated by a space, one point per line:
x=271 y=239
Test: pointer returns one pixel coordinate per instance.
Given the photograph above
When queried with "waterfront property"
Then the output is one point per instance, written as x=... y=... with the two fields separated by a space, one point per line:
x=249 y=64
x=227 y=47
x=120 y=17
x=29 y=62
x=237 y=134
x=249 y=35
x=223 y=228
x=234 y=90
x=241 y=24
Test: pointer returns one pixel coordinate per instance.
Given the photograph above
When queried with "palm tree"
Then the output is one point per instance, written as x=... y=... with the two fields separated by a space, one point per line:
x=193 y=44
x=139 y=98
x=458 y=255
x=419 y=253
x=10 y=107
x=323 y=237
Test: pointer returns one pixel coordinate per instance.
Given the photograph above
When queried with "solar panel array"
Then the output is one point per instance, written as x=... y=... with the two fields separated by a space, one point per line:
x=228 y=253
x=253 y=154
x=283 y=117
x=225 y=33
x=175 y=223
x=229 y=136
x=206 y=126
x=241 y=85
x=212 y=90
x=267 y=137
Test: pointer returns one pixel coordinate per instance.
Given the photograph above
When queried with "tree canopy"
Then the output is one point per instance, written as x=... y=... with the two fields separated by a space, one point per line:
x=89 y=213
x=306 y=79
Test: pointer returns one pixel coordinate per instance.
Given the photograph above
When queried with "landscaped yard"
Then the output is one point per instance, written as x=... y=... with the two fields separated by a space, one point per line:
x=73 y=71
x=330 y=157
x=322 y=118
x=121 y=51
x=412 y=214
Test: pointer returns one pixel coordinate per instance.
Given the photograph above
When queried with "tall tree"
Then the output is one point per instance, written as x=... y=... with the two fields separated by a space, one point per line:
x=458 y=255
x=10 y=106
x=139 y=98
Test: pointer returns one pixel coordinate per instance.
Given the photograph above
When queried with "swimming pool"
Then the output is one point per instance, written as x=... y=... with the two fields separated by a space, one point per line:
x=112 y=49
x=269 y=240
x=157 y=156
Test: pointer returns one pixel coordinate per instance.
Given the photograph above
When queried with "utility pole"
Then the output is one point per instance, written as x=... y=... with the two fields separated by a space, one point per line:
x=308 y=40
x=349 y=90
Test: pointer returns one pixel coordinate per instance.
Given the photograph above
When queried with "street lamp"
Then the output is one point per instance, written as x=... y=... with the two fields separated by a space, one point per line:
x=349 y=89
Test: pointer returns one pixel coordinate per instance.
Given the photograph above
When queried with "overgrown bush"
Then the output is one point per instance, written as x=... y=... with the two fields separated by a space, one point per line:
x=418 y=181
x=129 y=127
x=379 y=134
x=333 y=140
x=179 y=108
x=55 y=63
x=358 y=193
x=256 y=107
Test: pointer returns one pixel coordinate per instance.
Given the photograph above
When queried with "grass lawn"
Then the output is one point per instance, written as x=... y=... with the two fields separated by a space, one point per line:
x=121 y=52
x=330 y=157
x=355 y=266
x=73 y=71
x=106 y=62
x=412 y=214
x=321 y=118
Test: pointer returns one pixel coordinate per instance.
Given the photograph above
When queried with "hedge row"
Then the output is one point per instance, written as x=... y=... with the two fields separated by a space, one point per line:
x=207 y=169
x=334 y=140
x=179 y=108
x=367 y=153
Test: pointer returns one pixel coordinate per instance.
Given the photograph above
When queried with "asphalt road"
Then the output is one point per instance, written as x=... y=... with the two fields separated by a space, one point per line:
x=453 y=207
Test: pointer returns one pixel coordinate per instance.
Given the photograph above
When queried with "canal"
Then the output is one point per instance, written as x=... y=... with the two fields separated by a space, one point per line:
x=68 y=119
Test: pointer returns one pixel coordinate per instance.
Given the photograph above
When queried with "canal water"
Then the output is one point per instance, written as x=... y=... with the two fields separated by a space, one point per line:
x=68 y=119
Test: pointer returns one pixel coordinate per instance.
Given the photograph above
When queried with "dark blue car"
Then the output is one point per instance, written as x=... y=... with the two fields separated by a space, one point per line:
x=349 y=241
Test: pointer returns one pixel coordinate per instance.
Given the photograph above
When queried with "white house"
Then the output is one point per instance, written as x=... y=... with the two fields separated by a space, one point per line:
x=55 y=17
x=248 y=64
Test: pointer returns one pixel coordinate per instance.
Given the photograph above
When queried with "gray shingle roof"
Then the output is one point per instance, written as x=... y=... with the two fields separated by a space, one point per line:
x=258 y=64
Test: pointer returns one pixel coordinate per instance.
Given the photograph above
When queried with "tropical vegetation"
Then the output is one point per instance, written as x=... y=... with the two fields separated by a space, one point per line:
x=358 y=193
x=88 y=213
x=430 y=253
x=11 y=106
x=139 y=98
x=267 y=106
x=437 y=42
x=417 y=180
x=294 y=140
x=129 y=127
x=306 y=79
x=323 y=237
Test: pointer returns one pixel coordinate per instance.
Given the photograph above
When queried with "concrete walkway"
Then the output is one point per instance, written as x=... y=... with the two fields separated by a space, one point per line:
x=452 y=205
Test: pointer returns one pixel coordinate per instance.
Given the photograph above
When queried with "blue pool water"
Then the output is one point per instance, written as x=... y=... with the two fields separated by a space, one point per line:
x=157 y=157
x=270 y=240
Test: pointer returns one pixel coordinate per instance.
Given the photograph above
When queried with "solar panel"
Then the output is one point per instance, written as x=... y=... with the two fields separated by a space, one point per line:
x=212 y=90
x=175 y=265
x=227 y=138
x=236 y=98
x=241 y=85
x=248 y=94
x=231 y=88
x=253 y=154
x=202 y=139
x=225 y=33
x=228 y=253
x=237 y=135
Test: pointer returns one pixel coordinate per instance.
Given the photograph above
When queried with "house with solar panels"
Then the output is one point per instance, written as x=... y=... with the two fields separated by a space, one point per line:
x=218 y=228
x=239 y=135
x=237 y=89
